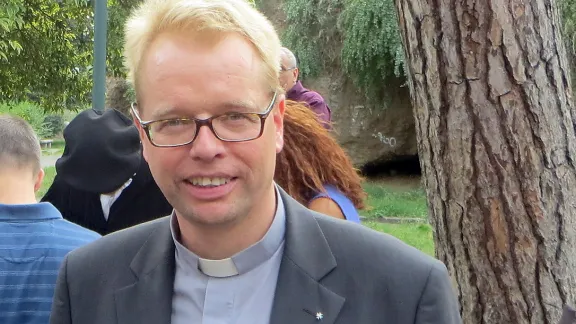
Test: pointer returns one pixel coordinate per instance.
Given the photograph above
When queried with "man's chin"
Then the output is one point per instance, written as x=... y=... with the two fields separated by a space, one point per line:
x=209 y=217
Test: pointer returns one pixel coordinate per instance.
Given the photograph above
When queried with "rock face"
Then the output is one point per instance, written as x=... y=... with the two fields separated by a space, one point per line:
x=370 y=134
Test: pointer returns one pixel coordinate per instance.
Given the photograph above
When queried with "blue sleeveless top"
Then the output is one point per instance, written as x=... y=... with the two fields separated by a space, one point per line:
x=345 y=204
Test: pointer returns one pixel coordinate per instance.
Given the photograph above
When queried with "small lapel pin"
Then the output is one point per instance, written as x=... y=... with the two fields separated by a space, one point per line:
x=319 y=316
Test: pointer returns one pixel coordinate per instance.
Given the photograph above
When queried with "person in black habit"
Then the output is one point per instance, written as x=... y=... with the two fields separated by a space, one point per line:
x=102 y=181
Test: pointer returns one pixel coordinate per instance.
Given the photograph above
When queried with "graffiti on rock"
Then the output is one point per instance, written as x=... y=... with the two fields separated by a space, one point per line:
x=391 y=141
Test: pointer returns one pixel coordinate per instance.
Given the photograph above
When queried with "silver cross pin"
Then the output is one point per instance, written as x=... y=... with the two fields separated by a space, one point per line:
x=319 y=316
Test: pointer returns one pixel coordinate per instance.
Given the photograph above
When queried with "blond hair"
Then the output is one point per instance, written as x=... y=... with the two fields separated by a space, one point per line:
x=154 y=17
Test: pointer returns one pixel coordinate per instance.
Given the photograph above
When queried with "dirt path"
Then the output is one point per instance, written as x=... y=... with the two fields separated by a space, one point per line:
x=48 y=160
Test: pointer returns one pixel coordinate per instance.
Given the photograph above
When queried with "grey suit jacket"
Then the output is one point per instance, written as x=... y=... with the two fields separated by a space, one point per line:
x=349 y=273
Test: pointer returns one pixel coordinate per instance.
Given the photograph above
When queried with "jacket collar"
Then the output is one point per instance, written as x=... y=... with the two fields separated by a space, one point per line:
x=299 y=296
x=295 y=92
x=28 y=212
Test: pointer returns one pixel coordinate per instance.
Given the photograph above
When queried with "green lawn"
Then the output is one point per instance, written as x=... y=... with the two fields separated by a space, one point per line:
x=417 y=235
x=389 y=201
x=385 y=199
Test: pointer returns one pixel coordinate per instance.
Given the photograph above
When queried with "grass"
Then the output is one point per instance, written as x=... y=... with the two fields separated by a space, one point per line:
x=385 y=199
x=390 y=201
x=416 y=235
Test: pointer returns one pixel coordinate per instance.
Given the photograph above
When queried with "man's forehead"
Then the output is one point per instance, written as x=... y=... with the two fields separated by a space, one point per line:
x=221 y=51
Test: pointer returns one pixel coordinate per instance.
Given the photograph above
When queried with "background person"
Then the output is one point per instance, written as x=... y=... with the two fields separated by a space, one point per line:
x=315 y=170
x=295 y=91
x=33 y=236
x=102 y=181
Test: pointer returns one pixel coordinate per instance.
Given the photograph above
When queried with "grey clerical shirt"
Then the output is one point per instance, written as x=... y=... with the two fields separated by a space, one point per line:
x=237 y=290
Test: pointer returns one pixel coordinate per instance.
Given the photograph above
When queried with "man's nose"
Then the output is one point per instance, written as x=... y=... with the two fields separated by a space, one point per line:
x=206 y=146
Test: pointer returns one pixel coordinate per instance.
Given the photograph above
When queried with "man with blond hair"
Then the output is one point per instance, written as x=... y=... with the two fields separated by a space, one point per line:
x=34 y=237
x=237 y=248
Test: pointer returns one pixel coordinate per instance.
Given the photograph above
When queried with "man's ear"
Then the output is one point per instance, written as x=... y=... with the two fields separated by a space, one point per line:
x=141 y=132
x=38 y=180
x=296 y=72
x=143 y=138
x=278 y=117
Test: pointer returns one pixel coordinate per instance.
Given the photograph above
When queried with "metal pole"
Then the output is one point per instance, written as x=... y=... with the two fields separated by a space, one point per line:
x=99 y=67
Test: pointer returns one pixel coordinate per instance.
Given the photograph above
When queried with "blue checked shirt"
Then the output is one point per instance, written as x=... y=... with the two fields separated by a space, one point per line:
x=33 y=242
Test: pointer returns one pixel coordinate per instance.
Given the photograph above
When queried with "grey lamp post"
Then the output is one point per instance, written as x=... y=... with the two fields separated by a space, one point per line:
x=99 y=66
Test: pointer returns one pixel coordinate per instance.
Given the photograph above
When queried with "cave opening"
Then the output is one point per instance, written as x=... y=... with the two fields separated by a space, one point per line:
x=401 y=166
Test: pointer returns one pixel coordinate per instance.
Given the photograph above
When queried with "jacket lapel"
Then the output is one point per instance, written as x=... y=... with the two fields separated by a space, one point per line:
x=300 y=297
x=149 y=299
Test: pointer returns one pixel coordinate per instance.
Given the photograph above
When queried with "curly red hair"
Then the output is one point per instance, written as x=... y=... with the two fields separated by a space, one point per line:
x=311 y=157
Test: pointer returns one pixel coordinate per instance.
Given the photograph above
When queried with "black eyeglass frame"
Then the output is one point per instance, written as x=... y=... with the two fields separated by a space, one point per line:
x=204 y=122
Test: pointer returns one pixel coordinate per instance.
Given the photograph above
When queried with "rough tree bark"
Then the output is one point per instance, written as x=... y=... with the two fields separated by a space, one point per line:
x=495 y=125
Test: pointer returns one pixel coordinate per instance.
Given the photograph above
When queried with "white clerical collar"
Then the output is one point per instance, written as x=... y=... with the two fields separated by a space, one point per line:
x=218 y=268
x=242 y=262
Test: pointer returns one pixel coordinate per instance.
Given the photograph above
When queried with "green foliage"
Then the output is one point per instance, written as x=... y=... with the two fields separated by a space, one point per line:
x=54 y=124
x=31 y=113
x=372 y=49
x=361 y=36
x=310 y=31
x=568 y=14
x=52 y=65
x=118 y=13
x=10 y=19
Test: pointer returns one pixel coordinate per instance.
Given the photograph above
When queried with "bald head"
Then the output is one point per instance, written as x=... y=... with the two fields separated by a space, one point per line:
x=288 y=58
x=19 y=146
x=288 y=69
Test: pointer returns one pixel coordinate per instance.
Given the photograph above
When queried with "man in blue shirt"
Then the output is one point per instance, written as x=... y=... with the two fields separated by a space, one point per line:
x=34 y=238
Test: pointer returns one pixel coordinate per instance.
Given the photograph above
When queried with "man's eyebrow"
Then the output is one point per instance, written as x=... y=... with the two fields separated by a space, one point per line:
x=163 y=113
x=240 y=105
x=230 y=106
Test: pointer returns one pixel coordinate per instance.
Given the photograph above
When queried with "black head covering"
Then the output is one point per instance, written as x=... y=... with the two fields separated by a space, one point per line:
x=102 y=151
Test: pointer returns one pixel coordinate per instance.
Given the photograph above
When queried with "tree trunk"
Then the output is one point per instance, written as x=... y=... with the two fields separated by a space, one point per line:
x=495 y=126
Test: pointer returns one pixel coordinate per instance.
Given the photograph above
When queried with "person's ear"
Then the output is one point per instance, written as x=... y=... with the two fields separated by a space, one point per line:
x=141 y=131
x=296 y=73
x=38 y=180
x=278 y=116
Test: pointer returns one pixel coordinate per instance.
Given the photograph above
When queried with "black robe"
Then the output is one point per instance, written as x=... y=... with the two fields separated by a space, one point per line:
x=140 y=202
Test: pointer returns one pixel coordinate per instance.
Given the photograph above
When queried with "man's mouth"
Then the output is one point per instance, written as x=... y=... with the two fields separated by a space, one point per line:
x=208 y=182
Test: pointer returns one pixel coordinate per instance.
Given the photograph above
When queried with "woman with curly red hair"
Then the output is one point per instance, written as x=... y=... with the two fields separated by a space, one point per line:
x=314 y=169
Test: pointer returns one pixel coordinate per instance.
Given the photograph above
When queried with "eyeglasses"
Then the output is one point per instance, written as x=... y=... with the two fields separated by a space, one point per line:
x=227 y=127
x=283 y=69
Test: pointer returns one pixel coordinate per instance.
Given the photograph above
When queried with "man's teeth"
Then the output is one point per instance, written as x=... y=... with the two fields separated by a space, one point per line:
x=209 y=181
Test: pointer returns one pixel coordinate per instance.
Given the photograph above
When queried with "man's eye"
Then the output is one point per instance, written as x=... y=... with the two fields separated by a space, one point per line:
x=173 y=122
x=236 y=116
x=170 y=124
x=240 y=117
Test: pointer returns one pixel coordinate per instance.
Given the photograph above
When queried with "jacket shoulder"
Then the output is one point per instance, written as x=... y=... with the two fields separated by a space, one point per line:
x=118 y=247
x=359 y=247
x=312 y=96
